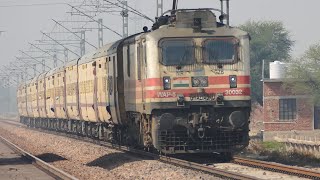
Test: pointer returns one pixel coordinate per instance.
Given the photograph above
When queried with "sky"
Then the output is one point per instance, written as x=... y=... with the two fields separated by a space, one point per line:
x=24 y=23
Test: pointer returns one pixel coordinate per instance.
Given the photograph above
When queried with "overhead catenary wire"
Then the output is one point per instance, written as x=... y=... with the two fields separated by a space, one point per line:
x=59 y=43
x=44 y=51
x=132 y=10
x=73 y=33
x=34 y=59
x=31 y=5
x=95 y=20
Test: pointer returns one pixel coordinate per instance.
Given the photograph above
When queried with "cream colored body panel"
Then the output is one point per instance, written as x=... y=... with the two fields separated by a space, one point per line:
x=24 y=101
x=50 y=95
x=20 y=100
x=72 y=91
x=42 y=96
x=130 y=75
x=34 y=97
x=82 y=90
x=102 y=96
x=90 y=92
x=59 y=87
x=29 y=100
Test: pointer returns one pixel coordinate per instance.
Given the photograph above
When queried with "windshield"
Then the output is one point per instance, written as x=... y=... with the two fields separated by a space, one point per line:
x=177 y=52
x=219 y=51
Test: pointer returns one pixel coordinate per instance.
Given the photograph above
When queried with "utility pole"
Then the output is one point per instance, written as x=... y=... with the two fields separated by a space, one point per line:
x=159 y=8
x=43 y=65
x=55 y=59
x=82 y=43
x=34 y=70
x=66 y=56
x=125 y=19
x=100 y=33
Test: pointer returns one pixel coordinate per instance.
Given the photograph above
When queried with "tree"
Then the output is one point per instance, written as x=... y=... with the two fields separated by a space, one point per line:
x=270 y=41
x=303 y=75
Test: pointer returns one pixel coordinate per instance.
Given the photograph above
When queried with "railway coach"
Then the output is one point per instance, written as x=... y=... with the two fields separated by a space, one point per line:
x=182 y=87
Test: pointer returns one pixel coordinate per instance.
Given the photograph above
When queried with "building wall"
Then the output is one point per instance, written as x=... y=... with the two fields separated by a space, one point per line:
x=273 y=92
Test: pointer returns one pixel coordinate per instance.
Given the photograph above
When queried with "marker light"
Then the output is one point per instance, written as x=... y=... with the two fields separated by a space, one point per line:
x=233 y=81
x=166 y=83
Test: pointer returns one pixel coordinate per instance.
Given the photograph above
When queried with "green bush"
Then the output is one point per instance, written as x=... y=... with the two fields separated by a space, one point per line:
x=273 y=146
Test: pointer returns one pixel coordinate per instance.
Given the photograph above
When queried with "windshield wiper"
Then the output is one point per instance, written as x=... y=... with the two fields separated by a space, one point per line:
x=185 y=52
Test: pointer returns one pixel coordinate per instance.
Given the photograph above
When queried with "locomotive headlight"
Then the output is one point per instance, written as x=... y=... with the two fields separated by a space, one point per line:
x=195 y=82
x=166 y=83
x=199 y=81
x=233 y=81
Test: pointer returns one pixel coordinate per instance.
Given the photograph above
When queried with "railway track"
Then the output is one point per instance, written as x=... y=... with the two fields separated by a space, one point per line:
x=291 y=170
x=178 y=162
x=49 y=169
x=275 y=167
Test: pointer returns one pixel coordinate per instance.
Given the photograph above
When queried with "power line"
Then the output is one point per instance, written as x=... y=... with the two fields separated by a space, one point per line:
x=28 y=5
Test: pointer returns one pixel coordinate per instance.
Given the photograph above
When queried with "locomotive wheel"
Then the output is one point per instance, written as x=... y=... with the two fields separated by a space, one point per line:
x=226 y=156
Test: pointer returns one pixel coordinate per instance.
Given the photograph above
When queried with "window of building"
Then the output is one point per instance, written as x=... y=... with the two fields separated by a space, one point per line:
x=287 y=109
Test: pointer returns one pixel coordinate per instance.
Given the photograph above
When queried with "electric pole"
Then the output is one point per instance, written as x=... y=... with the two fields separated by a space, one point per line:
x=159 y=8
x=125 y=19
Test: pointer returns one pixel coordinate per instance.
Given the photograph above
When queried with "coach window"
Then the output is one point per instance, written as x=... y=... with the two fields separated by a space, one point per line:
x=287 y=109
x=177 y=52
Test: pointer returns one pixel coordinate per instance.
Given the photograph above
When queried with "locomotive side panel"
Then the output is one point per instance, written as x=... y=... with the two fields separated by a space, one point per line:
x=130 y=77
x=141 y=74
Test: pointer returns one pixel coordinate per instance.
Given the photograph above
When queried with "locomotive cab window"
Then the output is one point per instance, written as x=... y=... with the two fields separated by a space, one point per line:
x=177 y=52
x=217 y=51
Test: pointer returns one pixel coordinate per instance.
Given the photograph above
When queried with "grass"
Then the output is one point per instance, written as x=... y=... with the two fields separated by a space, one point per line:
x=273 y=146
x=277 y=152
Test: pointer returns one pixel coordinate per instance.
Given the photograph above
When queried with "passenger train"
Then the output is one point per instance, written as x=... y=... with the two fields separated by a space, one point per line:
x=182 y=87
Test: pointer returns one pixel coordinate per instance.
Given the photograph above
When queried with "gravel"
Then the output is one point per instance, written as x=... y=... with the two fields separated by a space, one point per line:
x=90 y=161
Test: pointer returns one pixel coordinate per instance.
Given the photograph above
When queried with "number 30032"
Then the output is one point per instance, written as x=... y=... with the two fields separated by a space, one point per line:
x=233 y=92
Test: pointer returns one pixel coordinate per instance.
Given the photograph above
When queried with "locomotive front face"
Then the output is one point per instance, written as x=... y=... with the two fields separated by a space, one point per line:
x=202 y=100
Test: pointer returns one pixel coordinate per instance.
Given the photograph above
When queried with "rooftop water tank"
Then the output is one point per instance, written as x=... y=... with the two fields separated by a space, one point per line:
x=277 y=70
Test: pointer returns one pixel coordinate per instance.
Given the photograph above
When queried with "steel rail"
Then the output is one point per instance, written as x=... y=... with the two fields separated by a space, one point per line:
x=49 y=169
x=291 y=170
x=178 y=162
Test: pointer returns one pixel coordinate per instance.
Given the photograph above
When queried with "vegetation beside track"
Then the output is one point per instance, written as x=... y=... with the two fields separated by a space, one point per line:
x=276 y=152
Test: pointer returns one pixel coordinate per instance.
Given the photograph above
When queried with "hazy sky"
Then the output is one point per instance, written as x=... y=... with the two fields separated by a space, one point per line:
x=23 y=23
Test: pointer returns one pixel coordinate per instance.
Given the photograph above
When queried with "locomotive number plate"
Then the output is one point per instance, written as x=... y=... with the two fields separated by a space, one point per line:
x=202 y=97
